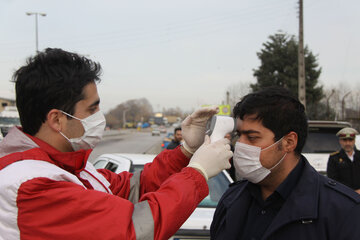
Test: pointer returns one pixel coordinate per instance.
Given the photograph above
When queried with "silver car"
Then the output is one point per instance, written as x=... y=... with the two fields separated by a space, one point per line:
x=197 y=225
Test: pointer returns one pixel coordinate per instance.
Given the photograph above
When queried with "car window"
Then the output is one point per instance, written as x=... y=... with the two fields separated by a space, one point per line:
x=111 y=166
x=322 y=140
x=100 y=164
x=103 y=164
x=217 y=187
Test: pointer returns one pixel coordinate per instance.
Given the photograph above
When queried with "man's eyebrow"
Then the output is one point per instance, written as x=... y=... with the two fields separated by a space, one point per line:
x=246 y=132
x=97 y=102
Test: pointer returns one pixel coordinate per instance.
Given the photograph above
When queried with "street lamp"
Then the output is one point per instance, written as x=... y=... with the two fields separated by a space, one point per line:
x=36 y=26
x=124 y=117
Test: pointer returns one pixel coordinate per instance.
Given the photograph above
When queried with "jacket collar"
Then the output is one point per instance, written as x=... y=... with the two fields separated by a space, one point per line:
x=20 y=146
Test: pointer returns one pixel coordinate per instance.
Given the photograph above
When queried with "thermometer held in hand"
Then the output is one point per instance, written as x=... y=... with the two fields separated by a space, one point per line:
x=218 y=126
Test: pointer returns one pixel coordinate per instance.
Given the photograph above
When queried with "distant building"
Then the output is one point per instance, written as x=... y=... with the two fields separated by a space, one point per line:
x=6 y=102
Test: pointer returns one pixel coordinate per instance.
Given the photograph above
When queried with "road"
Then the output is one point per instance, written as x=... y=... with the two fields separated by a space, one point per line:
x=128 y=141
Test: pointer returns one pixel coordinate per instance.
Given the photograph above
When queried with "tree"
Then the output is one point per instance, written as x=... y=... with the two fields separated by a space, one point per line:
x=237 y=91
x=135 y=110
x=279 y=66
x=173 y=112
x=345 y=101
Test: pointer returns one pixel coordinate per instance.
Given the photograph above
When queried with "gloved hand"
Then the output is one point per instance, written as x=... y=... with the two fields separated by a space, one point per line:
x=194 y=126
x=211 y=158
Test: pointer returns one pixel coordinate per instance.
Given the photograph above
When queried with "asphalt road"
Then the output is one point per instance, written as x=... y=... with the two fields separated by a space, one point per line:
x=128 y=141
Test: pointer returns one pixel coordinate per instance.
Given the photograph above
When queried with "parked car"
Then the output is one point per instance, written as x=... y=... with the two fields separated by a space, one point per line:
x=177 y=124
x=322 y=141
x=197 y=226
x=163 y=129
x=155 y=131
x=9 y=118
x=167 y=140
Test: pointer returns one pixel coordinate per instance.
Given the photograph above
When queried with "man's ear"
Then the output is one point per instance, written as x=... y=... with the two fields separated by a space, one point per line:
x=55 y=119
x=291 y=140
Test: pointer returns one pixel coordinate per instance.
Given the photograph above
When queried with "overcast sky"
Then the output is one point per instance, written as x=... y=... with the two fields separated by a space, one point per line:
x=178 y=53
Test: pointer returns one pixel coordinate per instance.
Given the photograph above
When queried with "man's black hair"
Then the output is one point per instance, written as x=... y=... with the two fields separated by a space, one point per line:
x=177 y=129
x=278 y=110
x=53 y=79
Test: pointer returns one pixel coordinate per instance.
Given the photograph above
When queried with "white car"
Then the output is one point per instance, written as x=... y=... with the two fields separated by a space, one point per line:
x=321 y=142
x=198 y=224
x=155 y=131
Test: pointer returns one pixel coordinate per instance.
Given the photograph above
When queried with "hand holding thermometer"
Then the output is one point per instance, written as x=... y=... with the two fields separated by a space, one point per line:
x=218 y=126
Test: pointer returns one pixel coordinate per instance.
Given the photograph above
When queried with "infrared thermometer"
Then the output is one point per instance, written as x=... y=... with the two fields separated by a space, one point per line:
x=218 y=126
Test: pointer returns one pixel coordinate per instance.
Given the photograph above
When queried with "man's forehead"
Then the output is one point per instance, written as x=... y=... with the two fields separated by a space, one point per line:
x=90 y=97
x=251 y=125
x=248 y=122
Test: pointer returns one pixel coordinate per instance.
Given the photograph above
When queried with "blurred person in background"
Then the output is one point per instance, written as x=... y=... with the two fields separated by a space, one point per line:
x=344 y=165
x=176 y=141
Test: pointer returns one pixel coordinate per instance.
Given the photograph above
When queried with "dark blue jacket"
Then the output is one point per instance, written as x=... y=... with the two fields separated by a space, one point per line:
x=317 y=208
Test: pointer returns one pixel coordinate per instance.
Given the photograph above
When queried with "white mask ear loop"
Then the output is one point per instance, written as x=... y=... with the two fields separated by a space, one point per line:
x=278 y=162
x=272 y=144
x=64 y=136
x=280 y=159
x=71 y=115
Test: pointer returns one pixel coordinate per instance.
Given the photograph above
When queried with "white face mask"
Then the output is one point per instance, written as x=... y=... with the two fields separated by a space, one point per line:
x=94 y=126
x=247 y=162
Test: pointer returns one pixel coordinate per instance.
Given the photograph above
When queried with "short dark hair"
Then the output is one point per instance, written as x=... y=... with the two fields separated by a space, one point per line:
x=53 y=79
x=278 y=110
x=177 y=129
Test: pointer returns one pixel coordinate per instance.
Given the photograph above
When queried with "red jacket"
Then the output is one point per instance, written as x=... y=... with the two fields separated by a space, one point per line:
x=47 y=194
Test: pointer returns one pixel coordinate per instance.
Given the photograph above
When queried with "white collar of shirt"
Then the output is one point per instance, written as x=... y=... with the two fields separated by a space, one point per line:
x=352 y=156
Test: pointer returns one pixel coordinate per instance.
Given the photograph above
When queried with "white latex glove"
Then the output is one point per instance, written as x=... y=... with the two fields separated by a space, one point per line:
x=194 y=126
x=211 y=158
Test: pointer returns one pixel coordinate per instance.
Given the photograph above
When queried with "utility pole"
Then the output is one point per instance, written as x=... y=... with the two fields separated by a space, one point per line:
x=301 y=58
x=343 y=105
x=36 y=27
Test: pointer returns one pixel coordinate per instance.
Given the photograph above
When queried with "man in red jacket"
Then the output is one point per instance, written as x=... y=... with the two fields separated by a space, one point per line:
x=48 y=189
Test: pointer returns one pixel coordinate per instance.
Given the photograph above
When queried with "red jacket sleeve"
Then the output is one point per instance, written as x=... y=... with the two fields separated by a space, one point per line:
x=153 y=175
x=50 y=209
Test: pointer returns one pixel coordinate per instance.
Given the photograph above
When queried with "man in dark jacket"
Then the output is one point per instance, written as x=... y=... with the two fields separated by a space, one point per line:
x=281 y=195
x=344 y=165
x=177 y=139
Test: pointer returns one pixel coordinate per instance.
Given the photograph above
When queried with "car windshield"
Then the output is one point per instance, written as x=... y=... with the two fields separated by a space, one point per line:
x=321 y=140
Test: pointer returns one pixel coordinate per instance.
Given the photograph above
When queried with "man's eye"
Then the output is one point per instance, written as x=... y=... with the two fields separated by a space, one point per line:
x=251 y=138
x=92 y=110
